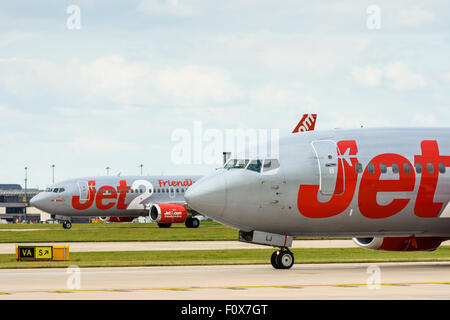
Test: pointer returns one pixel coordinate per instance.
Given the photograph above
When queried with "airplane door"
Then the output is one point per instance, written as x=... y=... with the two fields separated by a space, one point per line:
x=84 y=190
x=273 y=186
x=327 y=158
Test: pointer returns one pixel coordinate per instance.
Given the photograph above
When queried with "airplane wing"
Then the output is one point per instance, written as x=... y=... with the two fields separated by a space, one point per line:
x=307 y=123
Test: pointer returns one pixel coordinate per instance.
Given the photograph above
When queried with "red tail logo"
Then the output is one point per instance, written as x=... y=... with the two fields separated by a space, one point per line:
x=307 y=123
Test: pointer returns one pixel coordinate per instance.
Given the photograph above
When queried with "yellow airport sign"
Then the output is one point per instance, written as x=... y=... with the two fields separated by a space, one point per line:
x=42 y=253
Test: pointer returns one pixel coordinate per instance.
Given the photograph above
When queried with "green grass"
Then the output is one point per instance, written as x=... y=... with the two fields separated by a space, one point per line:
x=88 y=232
x=225 y=257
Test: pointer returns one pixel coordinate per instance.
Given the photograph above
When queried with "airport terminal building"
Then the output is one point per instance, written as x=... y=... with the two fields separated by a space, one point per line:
x=15 y=205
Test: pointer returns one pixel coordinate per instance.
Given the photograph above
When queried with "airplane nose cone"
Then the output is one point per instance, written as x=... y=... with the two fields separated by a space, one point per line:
x=207 y=196
x=37 y=201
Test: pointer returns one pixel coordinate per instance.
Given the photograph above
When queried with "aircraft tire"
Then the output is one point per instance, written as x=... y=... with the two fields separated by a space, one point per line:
x=195 y=223
x=273 y=260
x=67 y=224
x=192 y=223
x=285 y=260
x=164 y=225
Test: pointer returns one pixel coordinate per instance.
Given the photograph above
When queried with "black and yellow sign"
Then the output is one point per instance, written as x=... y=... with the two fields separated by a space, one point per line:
x=35 y=252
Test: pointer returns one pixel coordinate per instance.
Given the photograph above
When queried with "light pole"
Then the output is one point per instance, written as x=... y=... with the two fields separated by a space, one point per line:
x=53 y=174
x=26 y=179
x=141 y=168
x=107 y=171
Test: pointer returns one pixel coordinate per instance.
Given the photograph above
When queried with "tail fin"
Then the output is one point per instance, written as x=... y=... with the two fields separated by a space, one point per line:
x=307 y=123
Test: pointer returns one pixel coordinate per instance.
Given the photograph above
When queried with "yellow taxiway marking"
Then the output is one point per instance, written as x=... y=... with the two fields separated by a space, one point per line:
x=294 y=286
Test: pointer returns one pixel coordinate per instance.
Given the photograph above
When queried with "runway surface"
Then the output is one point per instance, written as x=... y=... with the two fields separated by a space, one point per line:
x=6 y=248
x=249 y=282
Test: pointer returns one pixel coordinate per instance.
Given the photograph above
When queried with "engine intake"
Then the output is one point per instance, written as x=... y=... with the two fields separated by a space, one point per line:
x=400 y=243
x=168 y=213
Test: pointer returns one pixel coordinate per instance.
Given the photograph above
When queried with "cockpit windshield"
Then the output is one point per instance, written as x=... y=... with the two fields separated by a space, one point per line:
x=255 y=165
x=236 y=164
x=270 y=164
x=55 y=190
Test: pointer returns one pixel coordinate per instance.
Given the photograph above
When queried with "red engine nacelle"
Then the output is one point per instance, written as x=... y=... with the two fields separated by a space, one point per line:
x=168 y=213
x=400 y=243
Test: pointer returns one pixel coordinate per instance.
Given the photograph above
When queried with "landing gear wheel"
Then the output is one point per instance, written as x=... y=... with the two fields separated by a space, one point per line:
x=192 y=223
x=164 y=225
x=283 y=259
x=67 y=224
x=273 y=259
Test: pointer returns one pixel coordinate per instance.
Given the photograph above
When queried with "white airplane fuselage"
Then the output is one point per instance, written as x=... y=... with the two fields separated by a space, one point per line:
x=112 y=196
x=343 y=183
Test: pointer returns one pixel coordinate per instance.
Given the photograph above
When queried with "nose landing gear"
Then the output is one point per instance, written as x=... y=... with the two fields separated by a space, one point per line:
x=67 y=224
x=282 y=259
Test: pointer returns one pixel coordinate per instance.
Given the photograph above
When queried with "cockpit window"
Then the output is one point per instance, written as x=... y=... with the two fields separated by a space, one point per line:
x=236 y=164
x=255 y=165
x=55 y=190
x=270 y=164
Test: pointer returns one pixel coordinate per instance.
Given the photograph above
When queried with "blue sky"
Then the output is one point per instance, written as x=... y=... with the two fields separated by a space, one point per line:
x=113 y=92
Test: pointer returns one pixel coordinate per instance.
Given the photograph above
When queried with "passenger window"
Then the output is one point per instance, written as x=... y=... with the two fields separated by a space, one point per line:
x=182 y=190
x=371 y=168
x=358 y=167
x=255 y=165
x=162 y=190
x=441 y=168
x=178 y=190
x=383 y=167
x=418 y=167
x=430 y=168
x=395 y=168
x=406 y=168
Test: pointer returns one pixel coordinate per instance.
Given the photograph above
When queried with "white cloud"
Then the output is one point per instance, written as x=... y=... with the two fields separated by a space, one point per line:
x=446 y=76
x=414 y=16
x=272 y=97
x=419 y=118
x=402 y=77
x=288 y=54
x=367 y=76
x=167 y=7
x=112 y=80
x=8 y=114
x=397 y=76
x=193 y=84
